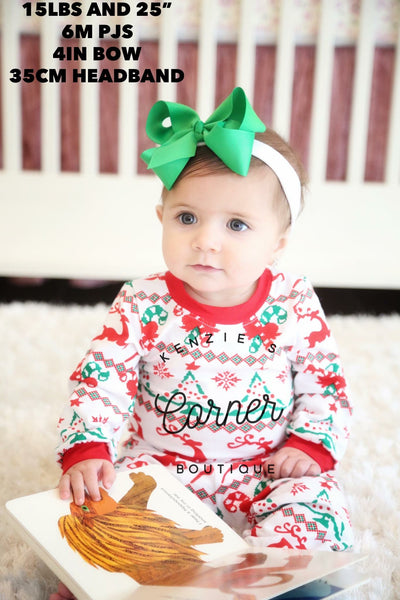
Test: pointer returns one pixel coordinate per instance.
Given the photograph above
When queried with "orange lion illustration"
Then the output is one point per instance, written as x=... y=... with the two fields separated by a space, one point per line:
x=127 y=537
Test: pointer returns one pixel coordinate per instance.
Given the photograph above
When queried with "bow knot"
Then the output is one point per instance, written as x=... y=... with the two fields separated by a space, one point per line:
x=198 y=131
x=228 y=132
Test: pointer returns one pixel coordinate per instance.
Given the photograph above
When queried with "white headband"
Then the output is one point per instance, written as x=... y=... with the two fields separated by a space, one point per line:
x=286 y=174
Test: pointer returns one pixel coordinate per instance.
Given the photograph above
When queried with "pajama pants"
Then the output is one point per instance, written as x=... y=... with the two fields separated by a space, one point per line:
x=308 y=513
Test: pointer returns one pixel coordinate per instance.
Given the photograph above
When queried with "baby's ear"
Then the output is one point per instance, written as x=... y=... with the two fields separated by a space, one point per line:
x=282 y=242
x=159 y=211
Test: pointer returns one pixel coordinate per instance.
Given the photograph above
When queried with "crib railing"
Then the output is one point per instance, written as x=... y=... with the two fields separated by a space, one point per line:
x=92 y=224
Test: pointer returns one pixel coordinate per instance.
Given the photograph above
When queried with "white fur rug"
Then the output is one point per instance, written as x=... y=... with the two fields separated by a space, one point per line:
x=40 y=347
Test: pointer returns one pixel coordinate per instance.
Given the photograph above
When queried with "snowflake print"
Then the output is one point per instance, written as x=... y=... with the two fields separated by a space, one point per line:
x=161 y=370
x=226 y=380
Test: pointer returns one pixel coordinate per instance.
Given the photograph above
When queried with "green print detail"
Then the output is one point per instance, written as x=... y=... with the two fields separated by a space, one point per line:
x=330 y=389
x=75 y=418
x=192 y=337
x=76 y=437
x=324 y=519
x=90 y=368
x=323 y=494
x=274 y=314
x=255 y=345
x=256 y=379
x=259 y=488
x=85 y=435
x=189 y=376
x=81 y=437
x=323 y=437
x=157 y=312
x=191 y=405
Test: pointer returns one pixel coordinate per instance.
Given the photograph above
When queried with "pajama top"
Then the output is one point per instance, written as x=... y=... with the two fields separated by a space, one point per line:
x=209 y=384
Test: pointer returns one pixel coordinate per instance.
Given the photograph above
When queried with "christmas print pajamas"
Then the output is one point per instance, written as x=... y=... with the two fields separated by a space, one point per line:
x=211 y=392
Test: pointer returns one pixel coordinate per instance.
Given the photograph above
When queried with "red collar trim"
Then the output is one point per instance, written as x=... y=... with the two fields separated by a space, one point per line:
x=226 y=315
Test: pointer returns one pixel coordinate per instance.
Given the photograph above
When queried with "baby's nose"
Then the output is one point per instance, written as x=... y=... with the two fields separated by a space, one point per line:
x=207 y=239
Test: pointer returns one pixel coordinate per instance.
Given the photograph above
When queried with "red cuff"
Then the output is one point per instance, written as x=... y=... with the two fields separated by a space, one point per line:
x=84 y=451
x=316 y=451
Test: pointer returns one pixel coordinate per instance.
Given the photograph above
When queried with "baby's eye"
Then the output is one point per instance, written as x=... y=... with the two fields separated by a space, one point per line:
x=187 y=218
x=237 y=225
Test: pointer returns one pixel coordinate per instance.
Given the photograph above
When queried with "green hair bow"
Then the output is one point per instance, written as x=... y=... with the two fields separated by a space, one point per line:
x=228 y=132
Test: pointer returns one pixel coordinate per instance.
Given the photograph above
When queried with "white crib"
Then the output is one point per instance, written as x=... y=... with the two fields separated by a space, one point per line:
x=95 y=225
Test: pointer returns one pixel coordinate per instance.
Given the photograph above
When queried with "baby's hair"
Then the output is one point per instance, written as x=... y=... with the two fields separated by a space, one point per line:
x=205 y=162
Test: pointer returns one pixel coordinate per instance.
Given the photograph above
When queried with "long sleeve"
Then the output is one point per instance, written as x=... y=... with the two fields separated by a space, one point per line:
x=322 y=407
x=106 y=380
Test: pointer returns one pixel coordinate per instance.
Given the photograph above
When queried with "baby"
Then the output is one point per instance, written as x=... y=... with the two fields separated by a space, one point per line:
x=223 y=366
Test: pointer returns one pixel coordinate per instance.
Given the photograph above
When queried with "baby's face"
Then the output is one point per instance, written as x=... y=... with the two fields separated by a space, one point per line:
x=220 y=233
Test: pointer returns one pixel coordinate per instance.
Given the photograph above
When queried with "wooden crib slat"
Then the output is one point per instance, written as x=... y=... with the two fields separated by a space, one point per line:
x=168 y=51
x=89 y=134
x=245 y=71
x=207 y=61
x=361 y=94
x=127 y=128
x=284 y=70
x=11 y=92
x=50 y=99
x=392 y=172
x=128 y=112
x=319 y=135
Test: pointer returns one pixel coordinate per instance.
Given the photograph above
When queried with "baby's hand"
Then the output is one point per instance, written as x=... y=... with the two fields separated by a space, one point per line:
x=291 y=462
x=86 y=473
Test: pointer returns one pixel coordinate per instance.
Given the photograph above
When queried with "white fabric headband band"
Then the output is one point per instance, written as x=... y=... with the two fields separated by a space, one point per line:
x=286 y=174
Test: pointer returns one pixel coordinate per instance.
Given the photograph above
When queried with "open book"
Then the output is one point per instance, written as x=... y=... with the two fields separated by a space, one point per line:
x=150 y=538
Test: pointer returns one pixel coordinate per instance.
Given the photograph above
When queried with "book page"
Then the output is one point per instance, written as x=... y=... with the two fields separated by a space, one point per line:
x=182 y=533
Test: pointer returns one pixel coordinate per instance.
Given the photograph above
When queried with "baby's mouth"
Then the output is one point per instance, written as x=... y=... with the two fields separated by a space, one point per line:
x=205 y=268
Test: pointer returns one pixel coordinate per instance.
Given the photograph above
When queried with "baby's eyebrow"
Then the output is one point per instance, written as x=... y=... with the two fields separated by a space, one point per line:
x=239 y=216
x=242 y=216
x=182 y=207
